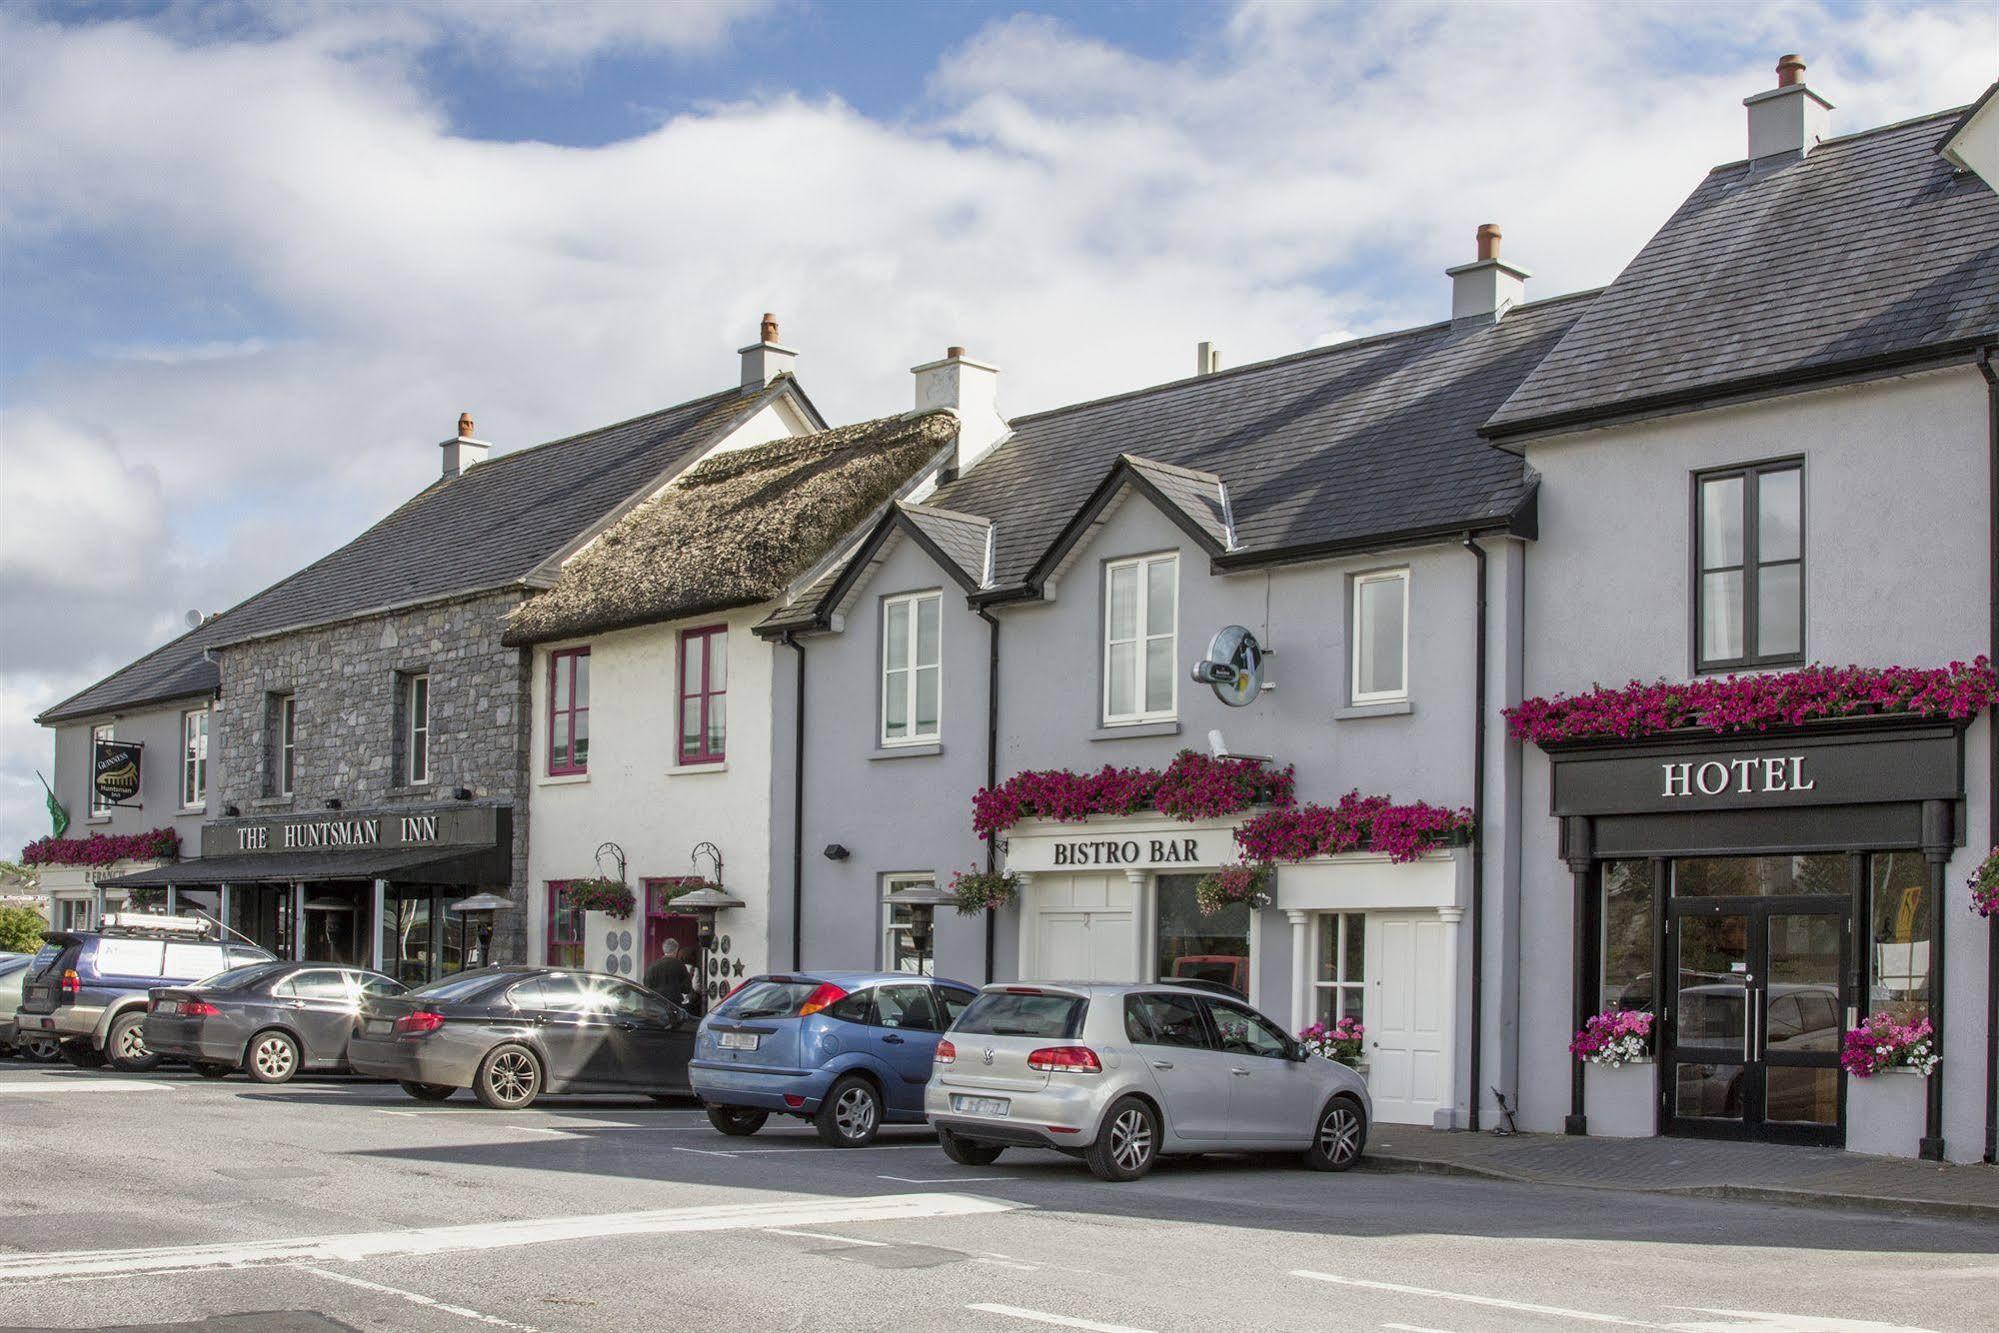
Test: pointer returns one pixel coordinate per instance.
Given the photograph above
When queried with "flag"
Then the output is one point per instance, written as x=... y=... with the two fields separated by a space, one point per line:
x=58 y=817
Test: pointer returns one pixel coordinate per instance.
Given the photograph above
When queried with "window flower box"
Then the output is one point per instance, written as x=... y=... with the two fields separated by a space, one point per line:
x=1886 y=1113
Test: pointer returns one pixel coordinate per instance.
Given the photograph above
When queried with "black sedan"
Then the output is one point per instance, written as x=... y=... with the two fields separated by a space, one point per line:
x=513 y=1033
x=270 y=1020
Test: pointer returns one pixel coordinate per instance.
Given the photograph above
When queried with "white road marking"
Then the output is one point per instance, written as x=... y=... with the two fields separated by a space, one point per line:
x=705 y=1152
x=417 y=1298
x=1008 y=1263
x=873 y=1147
x=499 y=1235
x=1744 y=1320
x=84 y=1085
x=822 y=1235
x=939 y=1180
x=537 y=1129
x=1491 y=1302
x=1415 y=1328
x=1059 y=1320
x=1765 y=1322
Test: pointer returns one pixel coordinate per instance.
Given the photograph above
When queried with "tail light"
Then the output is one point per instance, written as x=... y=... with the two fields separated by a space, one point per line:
x=423 y=1020
x=825 y=997
x=198 y=1009
x=946 y=1053
x=1071 y=1059
x=71 y=983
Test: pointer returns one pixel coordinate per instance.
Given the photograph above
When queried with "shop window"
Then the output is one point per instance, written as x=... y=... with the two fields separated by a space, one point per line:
x=1140 y=619
x=1628 y=931
x=280 y=744
x=900 y=950
x=704 y=687
x=99 y=807
x=1898 y=970
x=565 y=927
x=1380 y=637
x=415 y=710
x=569 y=711
x=194 y=759
x=73 y=913
x=1750 y=566
x=1339 y=982
x=1196 y=946
x=912 y=670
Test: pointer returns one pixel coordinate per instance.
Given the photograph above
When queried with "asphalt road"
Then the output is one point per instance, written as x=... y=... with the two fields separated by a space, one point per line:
x=171 y=1202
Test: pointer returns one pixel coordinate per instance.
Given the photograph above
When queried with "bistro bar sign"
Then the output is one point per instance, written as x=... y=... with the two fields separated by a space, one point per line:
x=1114 y=849
x=454 y=826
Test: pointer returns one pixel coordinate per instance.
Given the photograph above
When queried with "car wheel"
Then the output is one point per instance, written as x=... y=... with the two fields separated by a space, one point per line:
x=1340 y=1136
x=967 y=1153
x=1128 y=1143
x=272 y=1057
x=42 y=1050
x=209 y=1069
x=509 y=1078
x=427 y=1092
x=851 y=1115
x=126 y=1045
x=738 y=1122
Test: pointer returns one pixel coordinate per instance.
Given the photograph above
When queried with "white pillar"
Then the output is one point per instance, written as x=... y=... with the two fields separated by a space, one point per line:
x=1453 y=1066
x=1146 y=962
x=298 y=921
x=1025 y=961
x=1301 y=966
x=173 y=899
x=375 y=915
x=222 y=911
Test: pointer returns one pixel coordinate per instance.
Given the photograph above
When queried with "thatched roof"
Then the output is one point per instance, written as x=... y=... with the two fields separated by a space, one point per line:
x=733 y=531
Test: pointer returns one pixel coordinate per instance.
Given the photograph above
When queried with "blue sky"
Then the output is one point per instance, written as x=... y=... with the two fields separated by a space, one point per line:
x=258 y=256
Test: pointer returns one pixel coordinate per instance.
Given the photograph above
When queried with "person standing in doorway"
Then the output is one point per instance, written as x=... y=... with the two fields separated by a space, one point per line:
x=669 y=976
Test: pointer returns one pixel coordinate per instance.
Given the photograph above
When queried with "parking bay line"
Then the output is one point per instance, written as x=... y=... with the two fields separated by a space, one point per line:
x=417 y=1298
x=1058 y=1320
x=1490 y=1302
x=500 y=1235
x=10 y=1087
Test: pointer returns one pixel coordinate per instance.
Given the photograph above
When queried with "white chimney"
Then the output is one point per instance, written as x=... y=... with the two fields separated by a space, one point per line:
x=1487 y=288
x=1789 y=118
x=464 y=451
x=969 y=389
x=764 y=360
x=1207 y=358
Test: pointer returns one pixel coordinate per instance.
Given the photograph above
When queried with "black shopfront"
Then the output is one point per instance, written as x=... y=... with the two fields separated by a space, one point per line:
x=1785 y=884
x=371 y=888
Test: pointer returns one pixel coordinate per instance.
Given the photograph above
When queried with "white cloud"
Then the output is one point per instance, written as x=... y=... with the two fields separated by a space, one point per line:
x=1078 y=213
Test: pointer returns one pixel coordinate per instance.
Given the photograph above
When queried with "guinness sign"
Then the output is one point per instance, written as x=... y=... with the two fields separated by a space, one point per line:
x=114 y=772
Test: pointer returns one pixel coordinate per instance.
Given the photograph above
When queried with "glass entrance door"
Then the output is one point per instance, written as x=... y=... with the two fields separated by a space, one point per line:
x=1753 y=1025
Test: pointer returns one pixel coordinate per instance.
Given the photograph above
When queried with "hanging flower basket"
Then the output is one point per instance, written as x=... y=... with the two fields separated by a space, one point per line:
x=1614 y=1037
x=1985 y=885
x=977 y=891
x=609 y=896
x=1339 y=1041
x=1882 y=1043
x=1245 y=883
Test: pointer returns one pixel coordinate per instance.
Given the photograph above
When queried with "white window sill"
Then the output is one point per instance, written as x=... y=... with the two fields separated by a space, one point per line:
x=413 y=789
x=201 y=809
x=272 y=802
x=1384 y=708
x=694 y=770
x=920 y=750
x=1126 y=731
x=561 y=779
x=97 y=819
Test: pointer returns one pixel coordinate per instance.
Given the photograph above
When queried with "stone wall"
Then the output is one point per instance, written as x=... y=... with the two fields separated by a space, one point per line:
x=348 y=735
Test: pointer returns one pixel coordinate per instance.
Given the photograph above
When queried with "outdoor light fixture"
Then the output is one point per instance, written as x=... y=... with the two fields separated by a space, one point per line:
x=922 y=900
x=707 y=901
x=482 y=905
x=333 y=803
x=835 y=852
x=230 y=811
x=461 y=793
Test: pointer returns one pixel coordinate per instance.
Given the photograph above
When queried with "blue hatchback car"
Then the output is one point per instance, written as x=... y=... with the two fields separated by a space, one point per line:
x=848 y=1051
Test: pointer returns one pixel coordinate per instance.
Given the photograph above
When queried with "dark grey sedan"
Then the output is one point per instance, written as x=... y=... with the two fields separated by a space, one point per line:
x=270 y=1020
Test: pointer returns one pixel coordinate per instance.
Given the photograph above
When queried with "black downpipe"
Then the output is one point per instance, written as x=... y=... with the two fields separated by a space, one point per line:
x=992 y=770
x=1992 y=760
x=1477 y=842
x=798 y=812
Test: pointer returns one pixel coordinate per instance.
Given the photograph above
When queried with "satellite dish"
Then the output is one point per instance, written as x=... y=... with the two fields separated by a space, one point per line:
x=192 y=620
x=1233 y=666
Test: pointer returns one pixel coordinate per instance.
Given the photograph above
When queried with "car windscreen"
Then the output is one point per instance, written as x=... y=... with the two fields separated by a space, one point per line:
x=1006 y=1013
x=768 y=997
x=464 y=986
x=241 y=978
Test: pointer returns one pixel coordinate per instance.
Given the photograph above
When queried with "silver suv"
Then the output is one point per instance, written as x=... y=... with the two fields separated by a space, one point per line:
x=1119 y=1074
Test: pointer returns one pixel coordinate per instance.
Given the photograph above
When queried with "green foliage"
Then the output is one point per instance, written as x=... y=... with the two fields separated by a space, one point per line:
x=21 y=929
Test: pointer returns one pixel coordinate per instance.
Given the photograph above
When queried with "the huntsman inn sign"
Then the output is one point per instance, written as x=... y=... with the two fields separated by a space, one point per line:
x=334 y=832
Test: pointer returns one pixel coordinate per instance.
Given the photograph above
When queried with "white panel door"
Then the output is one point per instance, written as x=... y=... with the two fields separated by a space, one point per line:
x=1083 y=928
x=1408 y=1018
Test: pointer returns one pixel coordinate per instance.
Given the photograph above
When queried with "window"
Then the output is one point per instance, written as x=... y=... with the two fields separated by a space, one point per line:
x=1246 y=1032
x=1750 y=566
x=1898 y=974
x=900 y=950
x=280 y=743
x=1140 y=616
x=569 y=711
x=1201 y=946
x=1627 y=935
x=194 y=758
x=1165 y=1020
x=98 y=805
x=416 y=727
x=73 y=913
x=905 y=1007
x=1340 y=983
x=704 y=690
x=911 y=667
x=316 y=985
x=565 y=928
x=1380 y=637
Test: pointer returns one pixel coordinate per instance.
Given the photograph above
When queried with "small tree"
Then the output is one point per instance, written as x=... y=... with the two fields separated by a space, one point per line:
x=21 y=929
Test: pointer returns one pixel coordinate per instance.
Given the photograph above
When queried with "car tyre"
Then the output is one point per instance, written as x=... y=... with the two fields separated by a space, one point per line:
x=41 y=1050
x=966 y=1152
x=210 y=1069
x=738 y=1122
x=1128 y=1142
x=272 y=1057
x=509 y=1078
x=125 y=1044
x=1339 y=1137
x=427 y=1092
x=851 y=1115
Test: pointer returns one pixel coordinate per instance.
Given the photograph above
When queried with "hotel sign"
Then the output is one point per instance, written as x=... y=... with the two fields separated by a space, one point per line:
x=333 y=831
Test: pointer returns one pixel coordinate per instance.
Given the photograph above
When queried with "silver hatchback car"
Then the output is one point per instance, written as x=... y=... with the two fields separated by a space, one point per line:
x=1120 y=1074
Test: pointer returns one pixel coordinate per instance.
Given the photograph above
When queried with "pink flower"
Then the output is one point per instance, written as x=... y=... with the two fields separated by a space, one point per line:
x=1194 y=786
x=101 y=849
x=1357 y=823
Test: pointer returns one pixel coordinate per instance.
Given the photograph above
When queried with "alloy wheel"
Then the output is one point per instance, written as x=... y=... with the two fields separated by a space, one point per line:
x=132 y=1043
x=45 y=1049
x=854 y=1113
x=1131 y=1139
x=512 y=1076
x=1339 y=1135
x=274 y=1058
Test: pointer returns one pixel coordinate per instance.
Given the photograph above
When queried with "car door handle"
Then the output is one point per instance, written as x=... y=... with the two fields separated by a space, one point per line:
x=1240 y=1073
x=1162 y=1064
x=628 y=1027
x=892 y=1039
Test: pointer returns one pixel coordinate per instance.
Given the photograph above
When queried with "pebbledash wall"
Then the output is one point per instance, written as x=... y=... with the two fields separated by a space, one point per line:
x=344 y=677
x=1896 y=572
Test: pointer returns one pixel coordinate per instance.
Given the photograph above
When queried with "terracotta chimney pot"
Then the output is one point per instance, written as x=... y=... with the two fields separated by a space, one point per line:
x=464 y=425
x=954 y=353
x=1488 y=241
x=1790 y=70
x=768 y=329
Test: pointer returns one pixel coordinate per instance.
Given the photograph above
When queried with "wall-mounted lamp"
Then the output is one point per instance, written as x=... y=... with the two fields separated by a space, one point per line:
x=835 y=852
x=922 y=902
x=230 y=811
x=333 y=803
x=461 y=793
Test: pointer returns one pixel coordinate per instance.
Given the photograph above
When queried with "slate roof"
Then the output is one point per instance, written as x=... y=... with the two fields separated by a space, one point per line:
x=1200 y=497
x=963 y=539
x=488 y=528
x=1867 y=249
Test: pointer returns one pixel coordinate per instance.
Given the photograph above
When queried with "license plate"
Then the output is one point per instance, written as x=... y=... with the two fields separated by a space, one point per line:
x=739 y=1041
x=980 y=1105
x=378 y=1025
x=167 y=1007
x=48 y=1025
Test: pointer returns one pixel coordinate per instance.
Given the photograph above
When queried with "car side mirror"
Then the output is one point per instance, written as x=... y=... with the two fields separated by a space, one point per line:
x=1300 y=1053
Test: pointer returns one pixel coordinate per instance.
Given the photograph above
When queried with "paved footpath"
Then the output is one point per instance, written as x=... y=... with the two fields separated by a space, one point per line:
x=173 y=1203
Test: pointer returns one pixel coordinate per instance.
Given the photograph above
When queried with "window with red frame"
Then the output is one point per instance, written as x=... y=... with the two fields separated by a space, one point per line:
x=569 y=711
x=704 y=688
x=565 y=927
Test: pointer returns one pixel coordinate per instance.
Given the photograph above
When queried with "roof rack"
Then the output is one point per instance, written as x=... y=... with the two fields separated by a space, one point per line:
x=141 y=924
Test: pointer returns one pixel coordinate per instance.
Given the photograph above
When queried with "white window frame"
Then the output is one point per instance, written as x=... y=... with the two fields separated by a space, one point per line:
x=1344 y=924
x=910 y=667
x=890 y=928
x=103 y=731
x=1354 y=692
x=1143 y=641
x=286 y=749
x=417 y=730
x=194 y=759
